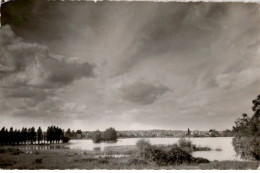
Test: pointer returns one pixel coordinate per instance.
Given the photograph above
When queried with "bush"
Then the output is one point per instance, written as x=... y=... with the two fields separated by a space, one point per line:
x=65 y=139
x=142 y=144
x=186 y=145
x=174 y=156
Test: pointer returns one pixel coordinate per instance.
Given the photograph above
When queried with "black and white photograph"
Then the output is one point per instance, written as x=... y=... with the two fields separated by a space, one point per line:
x=129 y=85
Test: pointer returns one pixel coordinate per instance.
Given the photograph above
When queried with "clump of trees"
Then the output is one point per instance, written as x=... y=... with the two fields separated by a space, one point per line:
x=73 y=134
x=30 y=135
x=247 y=133
x=109 y=134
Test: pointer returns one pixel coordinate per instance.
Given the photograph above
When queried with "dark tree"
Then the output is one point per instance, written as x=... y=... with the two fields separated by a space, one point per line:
x=24 y=135
x=247 y=133
x=110 y=134
x=68 y=133
x=188 y=132
x=97 y=137
x=39 y=135
x=32 y=135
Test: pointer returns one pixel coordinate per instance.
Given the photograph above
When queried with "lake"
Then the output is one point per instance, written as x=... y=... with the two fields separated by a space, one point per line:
x=224 y=143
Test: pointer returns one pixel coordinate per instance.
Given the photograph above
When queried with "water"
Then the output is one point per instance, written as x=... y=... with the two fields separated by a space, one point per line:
x=224 y=143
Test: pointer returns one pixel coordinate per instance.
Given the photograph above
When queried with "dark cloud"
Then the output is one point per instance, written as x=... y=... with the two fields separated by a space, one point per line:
x=207 y=53
x=30 y=74
x=31 y=64
x=142 y=93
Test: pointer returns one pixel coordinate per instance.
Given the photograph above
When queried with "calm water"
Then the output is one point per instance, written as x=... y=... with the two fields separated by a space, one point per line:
x=224 y=143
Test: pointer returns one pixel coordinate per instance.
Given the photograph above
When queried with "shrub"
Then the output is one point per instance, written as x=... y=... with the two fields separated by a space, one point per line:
x=65 y=139
x=142 y=144
x=173 y=156
x=186 y=145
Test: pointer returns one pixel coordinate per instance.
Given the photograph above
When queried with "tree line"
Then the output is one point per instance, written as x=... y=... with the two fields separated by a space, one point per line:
x=25 y=136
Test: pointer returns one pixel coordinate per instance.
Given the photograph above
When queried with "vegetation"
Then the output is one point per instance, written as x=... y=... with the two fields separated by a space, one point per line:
x=171 y=155
x=247 y=133
x=25 y=136
x=58 y=159
x=97 y=137
x=141 y=144
x=109 y=134
x=186 y=145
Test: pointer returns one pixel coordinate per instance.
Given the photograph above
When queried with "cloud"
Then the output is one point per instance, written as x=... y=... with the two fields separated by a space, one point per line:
x=30 y=64
x=142 y=93
x=240 y=79
x=31 y=77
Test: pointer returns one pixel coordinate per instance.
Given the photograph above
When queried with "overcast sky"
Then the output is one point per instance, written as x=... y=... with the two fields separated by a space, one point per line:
x=130 y=65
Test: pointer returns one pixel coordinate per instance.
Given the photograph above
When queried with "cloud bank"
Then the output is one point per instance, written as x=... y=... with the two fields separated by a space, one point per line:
x=157 y=65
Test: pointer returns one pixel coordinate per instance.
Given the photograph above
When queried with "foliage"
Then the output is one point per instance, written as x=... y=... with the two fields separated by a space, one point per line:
x=174 y=156
x=39 y=135
x=247 y=134
x=186 y=145
x=65 y=139
x=97 y=137
x=188 y=132
x=213 y=133
x=54 y=134
x=18 y=137
x=142 y=144
x=110 y=134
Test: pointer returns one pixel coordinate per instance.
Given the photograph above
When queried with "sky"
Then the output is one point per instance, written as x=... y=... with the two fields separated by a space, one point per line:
x=128 y=65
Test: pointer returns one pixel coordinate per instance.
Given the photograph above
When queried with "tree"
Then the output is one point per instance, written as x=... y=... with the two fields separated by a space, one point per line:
x=68 y=133
x=188 y=132
x=32 y=135
x=39 y=135
x=247 y=133
x=110 y=134
x=11 y=136
x=97 y=137
x=24 y=135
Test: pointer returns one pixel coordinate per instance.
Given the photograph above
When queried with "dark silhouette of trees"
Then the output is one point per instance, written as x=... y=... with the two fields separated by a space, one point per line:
x=54 y=134
x=31 y=135
x=110 y=134
x=39 y=135
x=247 y=133
x=24 y=136
x=68 y=133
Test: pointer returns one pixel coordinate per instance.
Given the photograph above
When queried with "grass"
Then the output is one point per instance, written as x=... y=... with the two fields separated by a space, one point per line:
x=67 y=159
